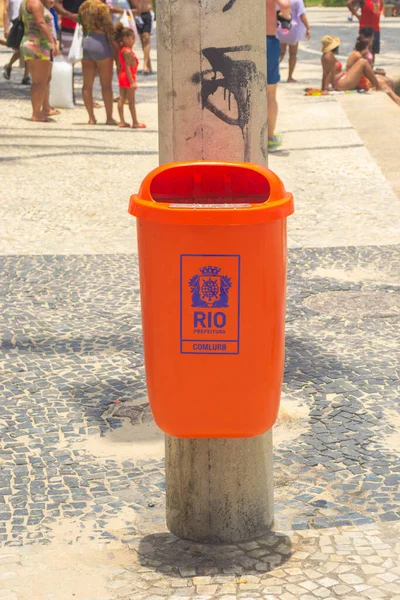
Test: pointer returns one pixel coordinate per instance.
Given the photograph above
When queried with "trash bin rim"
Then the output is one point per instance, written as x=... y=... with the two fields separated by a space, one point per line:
x=278 y=205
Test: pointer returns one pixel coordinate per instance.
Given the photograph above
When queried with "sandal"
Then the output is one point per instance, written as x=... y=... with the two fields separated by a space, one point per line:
x=7 y=72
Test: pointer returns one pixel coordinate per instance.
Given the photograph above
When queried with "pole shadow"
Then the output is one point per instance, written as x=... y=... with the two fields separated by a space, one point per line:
x=185 y=559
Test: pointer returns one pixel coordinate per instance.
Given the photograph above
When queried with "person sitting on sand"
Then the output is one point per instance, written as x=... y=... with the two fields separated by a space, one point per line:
x=332 y=69
x=362 y=52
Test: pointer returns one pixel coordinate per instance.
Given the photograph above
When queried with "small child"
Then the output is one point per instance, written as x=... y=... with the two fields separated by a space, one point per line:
x=127 y=74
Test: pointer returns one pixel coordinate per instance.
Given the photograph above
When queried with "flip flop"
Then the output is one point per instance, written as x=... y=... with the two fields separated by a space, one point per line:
x=7 y=72
x=139 y=126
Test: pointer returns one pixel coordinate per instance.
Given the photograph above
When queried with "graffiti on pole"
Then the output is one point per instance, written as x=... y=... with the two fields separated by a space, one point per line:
x=229 y=5
x=236 y=78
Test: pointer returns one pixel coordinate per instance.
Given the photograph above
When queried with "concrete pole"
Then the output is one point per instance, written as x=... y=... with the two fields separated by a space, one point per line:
x=213 y=106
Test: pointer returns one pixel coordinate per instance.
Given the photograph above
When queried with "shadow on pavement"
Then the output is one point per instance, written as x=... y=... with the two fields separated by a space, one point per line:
x=90 y=153
x=186 y=559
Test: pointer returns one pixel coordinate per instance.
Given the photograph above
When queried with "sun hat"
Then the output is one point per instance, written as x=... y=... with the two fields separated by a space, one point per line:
x=329 y=43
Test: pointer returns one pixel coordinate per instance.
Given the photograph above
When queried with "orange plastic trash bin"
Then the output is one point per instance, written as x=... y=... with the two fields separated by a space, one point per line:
x=212 y=257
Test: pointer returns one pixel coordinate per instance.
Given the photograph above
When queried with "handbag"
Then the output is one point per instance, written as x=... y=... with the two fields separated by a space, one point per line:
x=75 y=53
x=16 y=34
x=128 y=20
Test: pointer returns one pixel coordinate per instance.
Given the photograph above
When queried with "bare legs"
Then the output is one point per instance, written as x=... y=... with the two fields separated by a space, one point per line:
x=40 y=71
x=14 y=57
x=386 y=85
x=292 y=59
x=128 y=94
x=283 y=52
x=132 y=107
x=145 y=39
x=292 y=62
x=272 y=109
x=48 y=110
x=121 y=102
x=105 y=68
x=89 y=70
x=8 y=67
x=361 y=68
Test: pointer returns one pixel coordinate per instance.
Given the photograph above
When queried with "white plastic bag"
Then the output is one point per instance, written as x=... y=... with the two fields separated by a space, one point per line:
x=61 y=93
x=76 y=51
x=128 y=20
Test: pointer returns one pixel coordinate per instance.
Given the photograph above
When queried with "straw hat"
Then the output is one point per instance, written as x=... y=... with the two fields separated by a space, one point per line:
x=329 y=43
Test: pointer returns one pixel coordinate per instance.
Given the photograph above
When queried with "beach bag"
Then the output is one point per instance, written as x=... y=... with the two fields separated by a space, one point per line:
x=16 y=34
x=76 y=51
x=61 y=91
x=128 y=20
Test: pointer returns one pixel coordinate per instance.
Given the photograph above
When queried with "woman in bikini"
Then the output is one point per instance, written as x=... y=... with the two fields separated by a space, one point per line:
x=362 y=51
x=332 y=73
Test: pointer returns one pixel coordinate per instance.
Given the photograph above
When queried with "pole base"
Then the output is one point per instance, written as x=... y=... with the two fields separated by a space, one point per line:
x=219 y=490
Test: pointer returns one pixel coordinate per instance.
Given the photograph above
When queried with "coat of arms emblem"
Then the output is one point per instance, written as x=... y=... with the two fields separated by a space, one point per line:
x=210 y=289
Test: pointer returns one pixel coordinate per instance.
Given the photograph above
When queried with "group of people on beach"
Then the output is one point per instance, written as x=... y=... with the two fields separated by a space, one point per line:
x=359 y=73
x=290 y=25
x=49 y=28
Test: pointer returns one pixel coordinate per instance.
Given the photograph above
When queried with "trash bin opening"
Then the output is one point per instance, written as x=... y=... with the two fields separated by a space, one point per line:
x=210 y=185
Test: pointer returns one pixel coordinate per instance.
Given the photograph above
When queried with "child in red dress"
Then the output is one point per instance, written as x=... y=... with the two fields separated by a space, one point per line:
x=127 y=74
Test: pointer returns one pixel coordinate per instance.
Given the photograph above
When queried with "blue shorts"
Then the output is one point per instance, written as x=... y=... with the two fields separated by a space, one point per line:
x=273 y=56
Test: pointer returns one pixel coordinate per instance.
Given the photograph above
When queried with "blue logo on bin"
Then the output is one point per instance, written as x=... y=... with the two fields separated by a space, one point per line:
x=210 y=289
x=210 y=304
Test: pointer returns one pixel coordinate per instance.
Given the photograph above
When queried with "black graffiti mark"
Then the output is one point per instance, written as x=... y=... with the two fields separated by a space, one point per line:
x=228 y=5
x=264 y=140
x=236 y=81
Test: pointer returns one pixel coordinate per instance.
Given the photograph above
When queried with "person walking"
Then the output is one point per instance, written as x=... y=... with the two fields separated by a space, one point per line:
x=38 y=47
x=99 y=49
x=11 y=12
x=144 y=23
x=368 y=12
x=273 y=76
x=291 y=37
